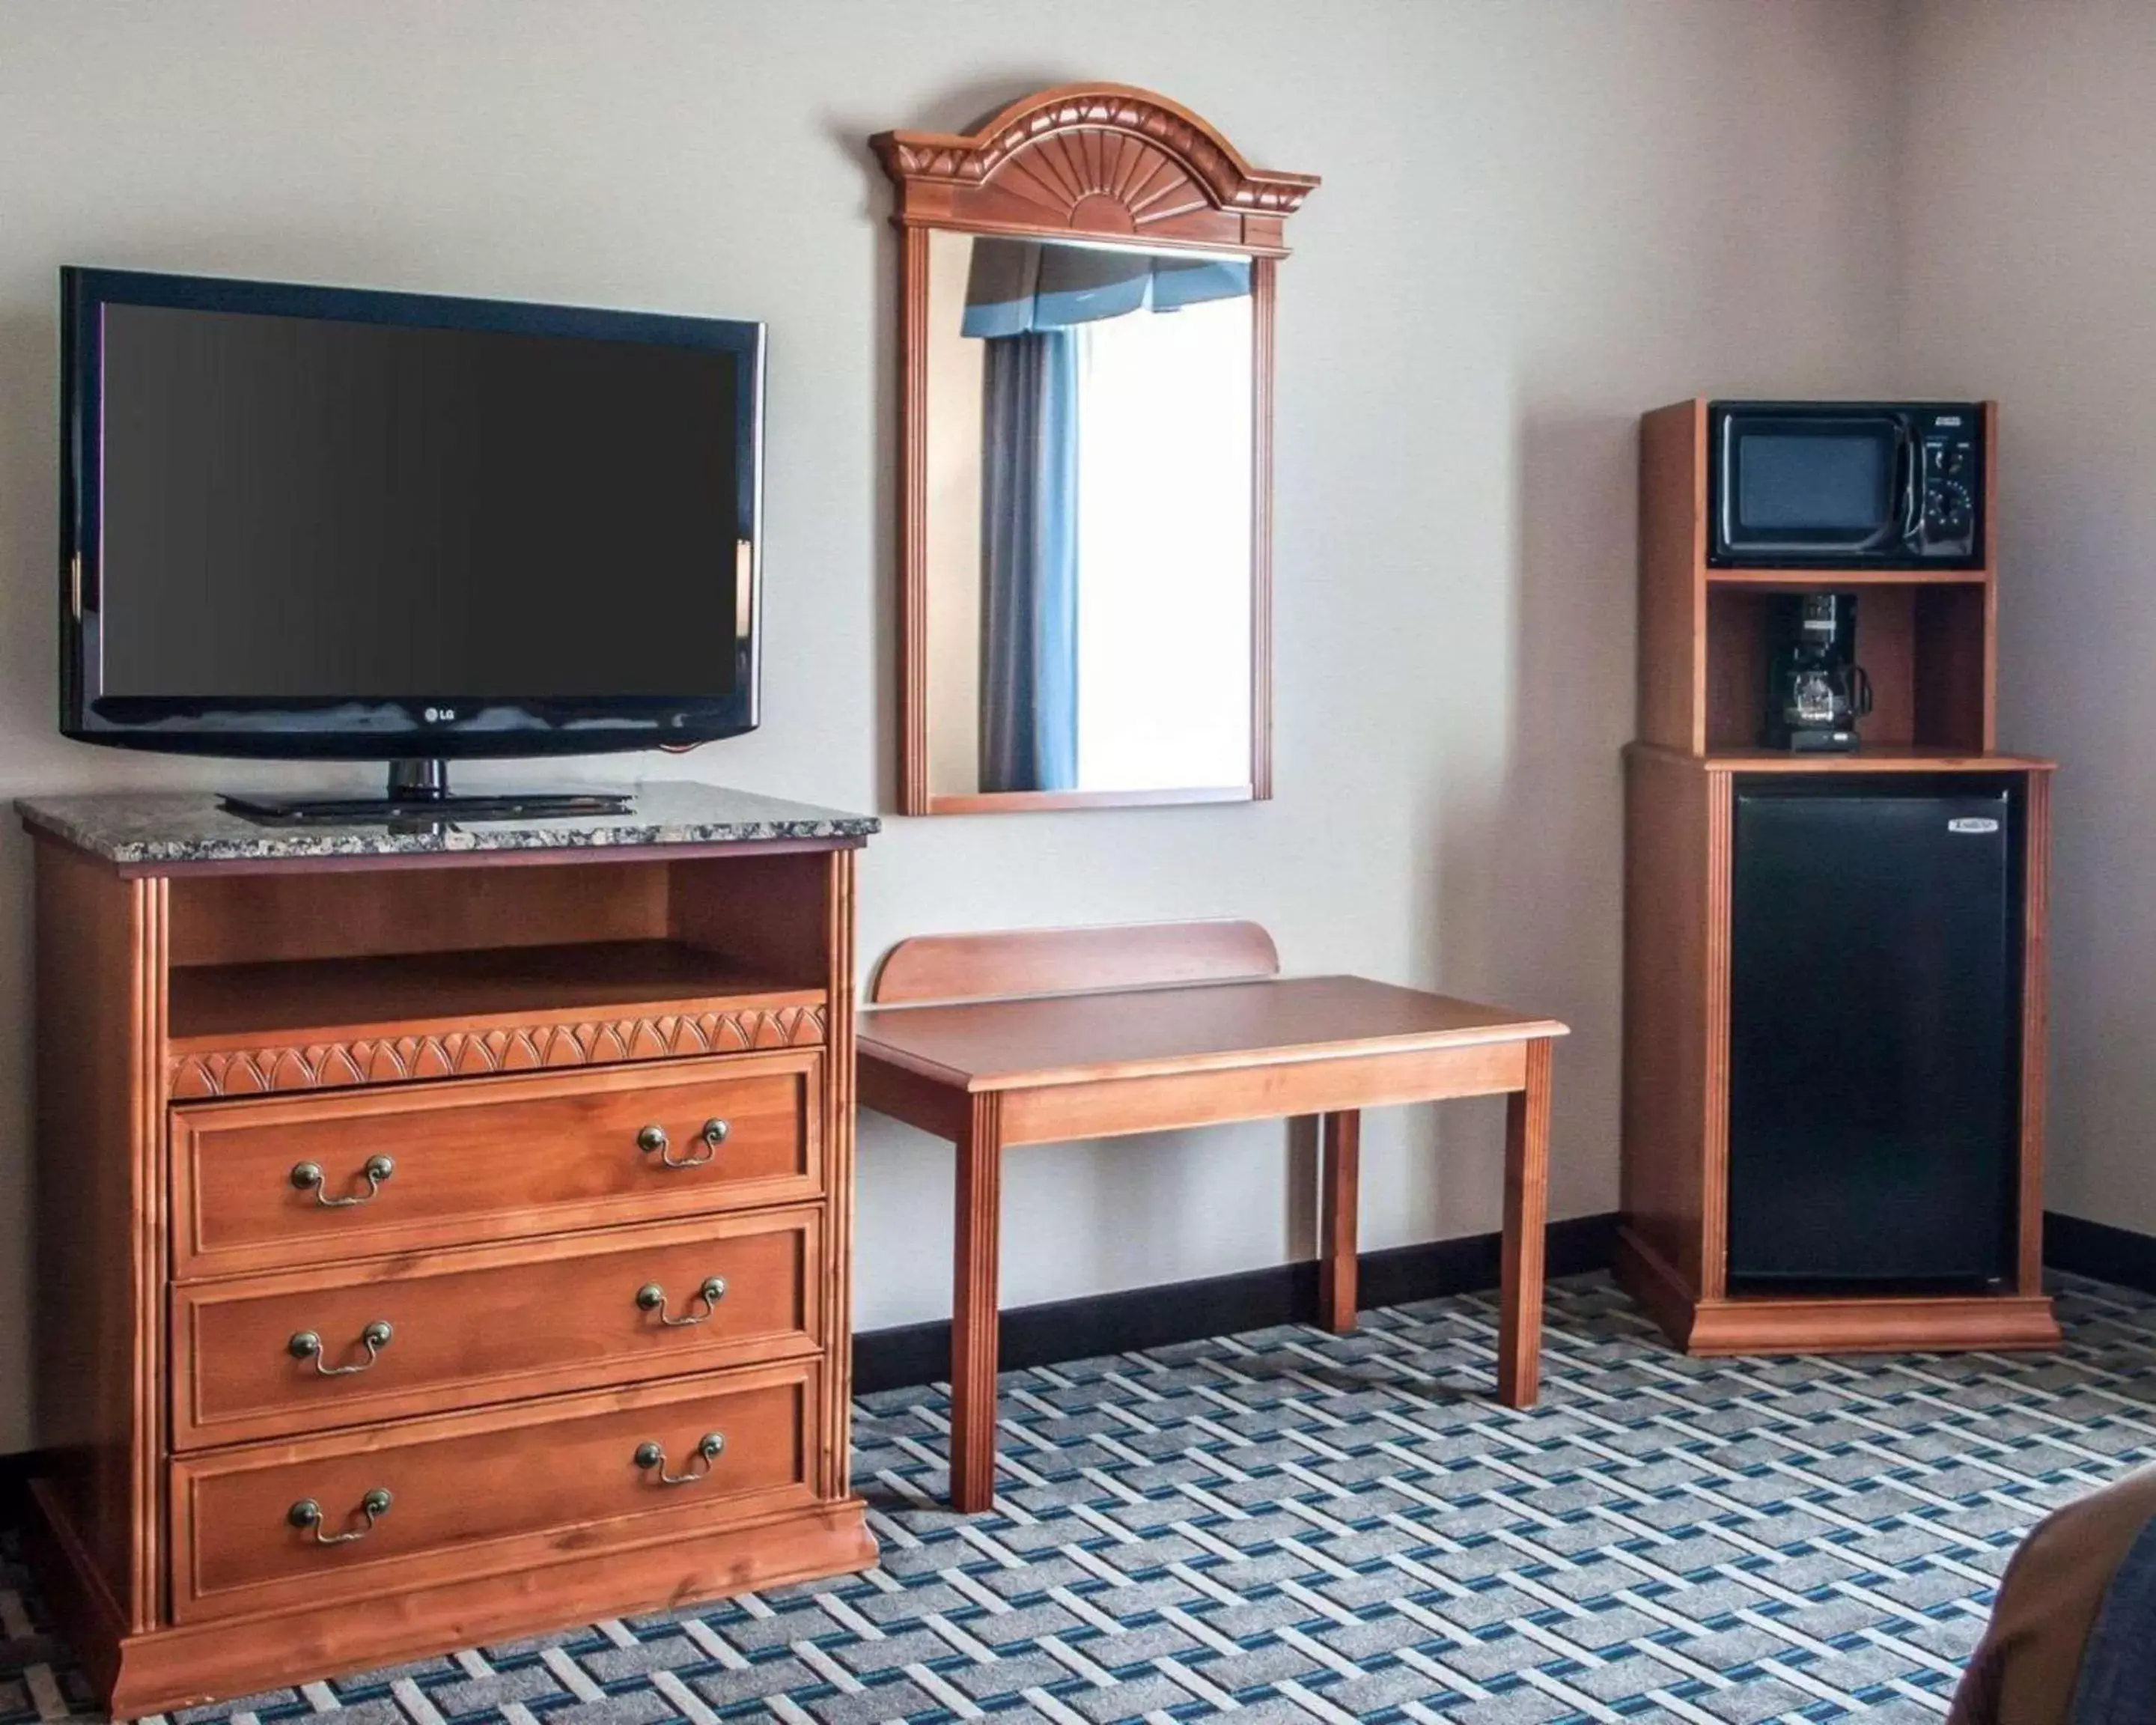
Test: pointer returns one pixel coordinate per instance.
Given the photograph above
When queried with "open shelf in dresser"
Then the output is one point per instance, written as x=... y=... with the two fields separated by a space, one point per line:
x=283 y=981
x=213 y=1004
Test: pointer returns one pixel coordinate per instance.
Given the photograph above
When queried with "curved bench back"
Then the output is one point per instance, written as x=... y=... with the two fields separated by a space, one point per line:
x=1071 y=961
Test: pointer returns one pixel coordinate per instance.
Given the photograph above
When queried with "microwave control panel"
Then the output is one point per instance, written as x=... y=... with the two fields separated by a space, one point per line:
x=1948 y=463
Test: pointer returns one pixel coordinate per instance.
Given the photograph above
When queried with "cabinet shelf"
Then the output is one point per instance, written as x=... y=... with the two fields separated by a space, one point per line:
x=314 y=980
x=1925 y=637
x=1901 y=758
x=1925 y=645
x=1836 y=580
x=315 y=1001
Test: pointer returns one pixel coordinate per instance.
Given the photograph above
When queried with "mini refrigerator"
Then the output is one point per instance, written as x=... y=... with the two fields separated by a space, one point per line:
x=1875 y=1022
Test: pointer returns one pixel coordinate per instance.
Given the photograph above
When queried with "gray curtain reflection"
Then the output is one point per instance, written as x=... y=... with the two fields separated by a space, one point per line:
x=1017 y=285
x=1030 y=563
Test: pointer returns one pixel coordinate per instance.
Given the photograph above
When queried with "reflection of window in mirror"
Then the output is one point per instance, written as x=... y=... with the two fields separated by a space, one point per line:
x=1165 y=549
x=1089 y=521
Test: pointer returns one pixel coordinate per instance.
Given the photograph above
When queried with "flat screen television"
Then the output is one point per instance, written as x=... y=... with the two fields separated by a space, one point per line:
x=316 y=522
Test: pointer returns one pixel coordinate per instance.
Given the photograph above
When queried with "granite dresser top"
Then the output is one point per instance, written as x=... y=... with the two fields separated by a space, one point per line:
x=149 y=828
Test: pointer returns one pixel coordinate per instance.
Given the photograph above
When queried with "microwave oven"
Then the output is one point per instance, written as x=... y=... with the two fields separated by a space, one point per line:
x=1845 y=485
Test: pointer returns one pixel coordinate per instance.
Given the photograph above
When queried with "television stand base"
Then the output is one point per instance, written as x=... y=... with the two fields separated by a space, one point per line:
x=419 y=790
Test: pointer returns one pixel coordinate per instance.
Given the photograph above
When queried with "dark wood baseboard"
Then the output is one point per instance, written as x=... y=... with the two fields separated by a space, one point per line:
x=1099 y=1324
x=2082 y=1247
x=1287 y=1293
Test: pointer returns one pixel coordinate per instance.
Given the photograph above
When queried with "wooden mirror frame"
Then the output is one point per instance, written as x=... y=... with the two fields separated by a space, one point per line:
x=1089 y=160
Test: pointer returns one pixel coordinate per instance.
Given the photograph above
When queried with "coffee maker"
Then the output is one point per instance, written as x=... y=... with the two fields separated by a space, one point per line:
x=1816 y=692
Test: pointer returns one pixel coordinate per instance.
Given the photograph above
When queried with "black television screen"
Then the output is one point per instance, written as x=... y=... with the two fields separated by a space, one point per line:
x=313 y=522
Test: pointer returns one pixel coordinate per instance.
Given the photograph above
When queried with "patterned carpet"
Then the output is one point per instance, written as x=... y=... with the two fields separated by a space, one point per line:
x=1291 y=1526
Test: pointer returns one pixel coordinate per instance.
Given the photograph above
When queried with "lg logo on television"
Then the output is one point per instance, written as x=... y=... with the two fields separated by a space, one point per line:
x=441 y=715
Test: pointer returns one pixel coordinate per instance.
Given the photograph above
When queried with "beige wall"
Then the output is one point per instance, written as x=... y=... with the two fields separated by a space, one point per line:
x=1538 y=217
x=2028 y=259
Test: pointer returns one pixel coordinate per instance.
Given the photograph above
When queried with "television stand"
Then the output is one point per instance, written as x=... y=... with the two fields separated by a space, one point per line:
x=523 y=1076
x=419 y=790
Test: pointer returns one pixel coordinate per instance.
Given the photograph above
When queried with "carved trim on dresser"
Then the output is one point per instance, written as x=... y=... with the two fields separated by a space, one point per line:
x=461 y=1054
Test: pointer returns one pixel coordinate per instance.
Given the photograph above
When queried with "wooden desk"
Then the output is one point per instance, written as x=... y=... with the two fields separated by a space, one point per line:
x=987 y=1074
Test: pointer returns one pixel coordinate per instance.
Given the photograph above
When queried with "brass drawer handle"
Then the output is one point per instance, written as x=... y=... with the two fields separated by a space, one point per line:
x=653 y=1141
x=652 y=1460
x=305 y=1344
x=307 y=1177
x=652 y=1297
x=307 y=1513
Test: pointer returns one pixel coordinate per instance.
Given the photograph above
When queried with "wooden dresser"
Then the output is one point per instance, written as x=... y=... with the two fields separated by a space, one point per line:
x=443 y=1234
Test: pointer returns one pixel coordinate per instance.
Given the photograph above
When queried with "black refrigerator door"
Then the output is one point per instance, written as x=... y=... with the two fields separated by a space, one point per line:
x=1875 y=1005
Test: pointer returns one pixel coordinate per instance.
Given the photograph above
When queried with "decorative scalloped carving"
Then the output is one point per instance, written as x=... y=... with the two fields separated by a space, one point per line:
x=1095 y=158
x=464 y=1054
x=1137 y=115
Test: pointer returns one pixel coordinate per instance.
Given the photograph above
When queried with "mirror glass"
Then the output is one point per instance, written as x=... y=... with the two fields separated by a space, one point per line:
x=1088 y=518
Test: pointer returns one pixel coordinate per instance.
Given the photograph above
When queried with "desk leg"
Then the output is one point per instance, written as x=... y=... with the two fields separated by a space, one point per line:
x=973 y=1309
x=1527 y=1216
x=1343 y=1134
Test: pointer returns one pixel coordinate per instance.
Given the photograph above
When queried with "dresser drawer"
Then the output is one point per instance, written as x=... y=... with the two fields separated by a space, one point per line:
x=300 y=1351
x=275 y=1184
x=479 y=1494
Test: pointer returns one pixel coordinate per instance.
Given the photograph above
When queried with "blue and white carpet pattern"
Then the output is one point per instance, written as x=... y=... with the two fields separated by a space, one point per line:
x=1289 y=1525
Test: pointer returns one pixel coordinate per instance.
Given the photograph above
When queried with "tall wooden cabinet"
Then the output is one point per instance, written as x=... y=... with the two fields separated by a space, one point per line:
x=443 y=1236
x=1928 y=639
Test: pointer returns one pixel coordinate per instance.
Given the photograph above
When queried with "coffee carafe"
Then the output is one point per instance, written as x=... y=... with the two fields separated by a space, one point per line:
x=1816 y=692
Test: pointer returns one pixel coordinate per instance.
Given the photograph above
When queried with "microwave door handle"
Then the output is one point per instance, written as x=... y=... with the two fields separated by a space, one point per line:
x=1902 y=528
x=1912 y=482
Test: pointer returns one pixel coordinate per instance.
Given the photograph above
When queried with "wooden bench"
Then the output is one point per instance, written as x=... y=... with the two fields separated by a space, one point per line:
x=1034 y=1036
